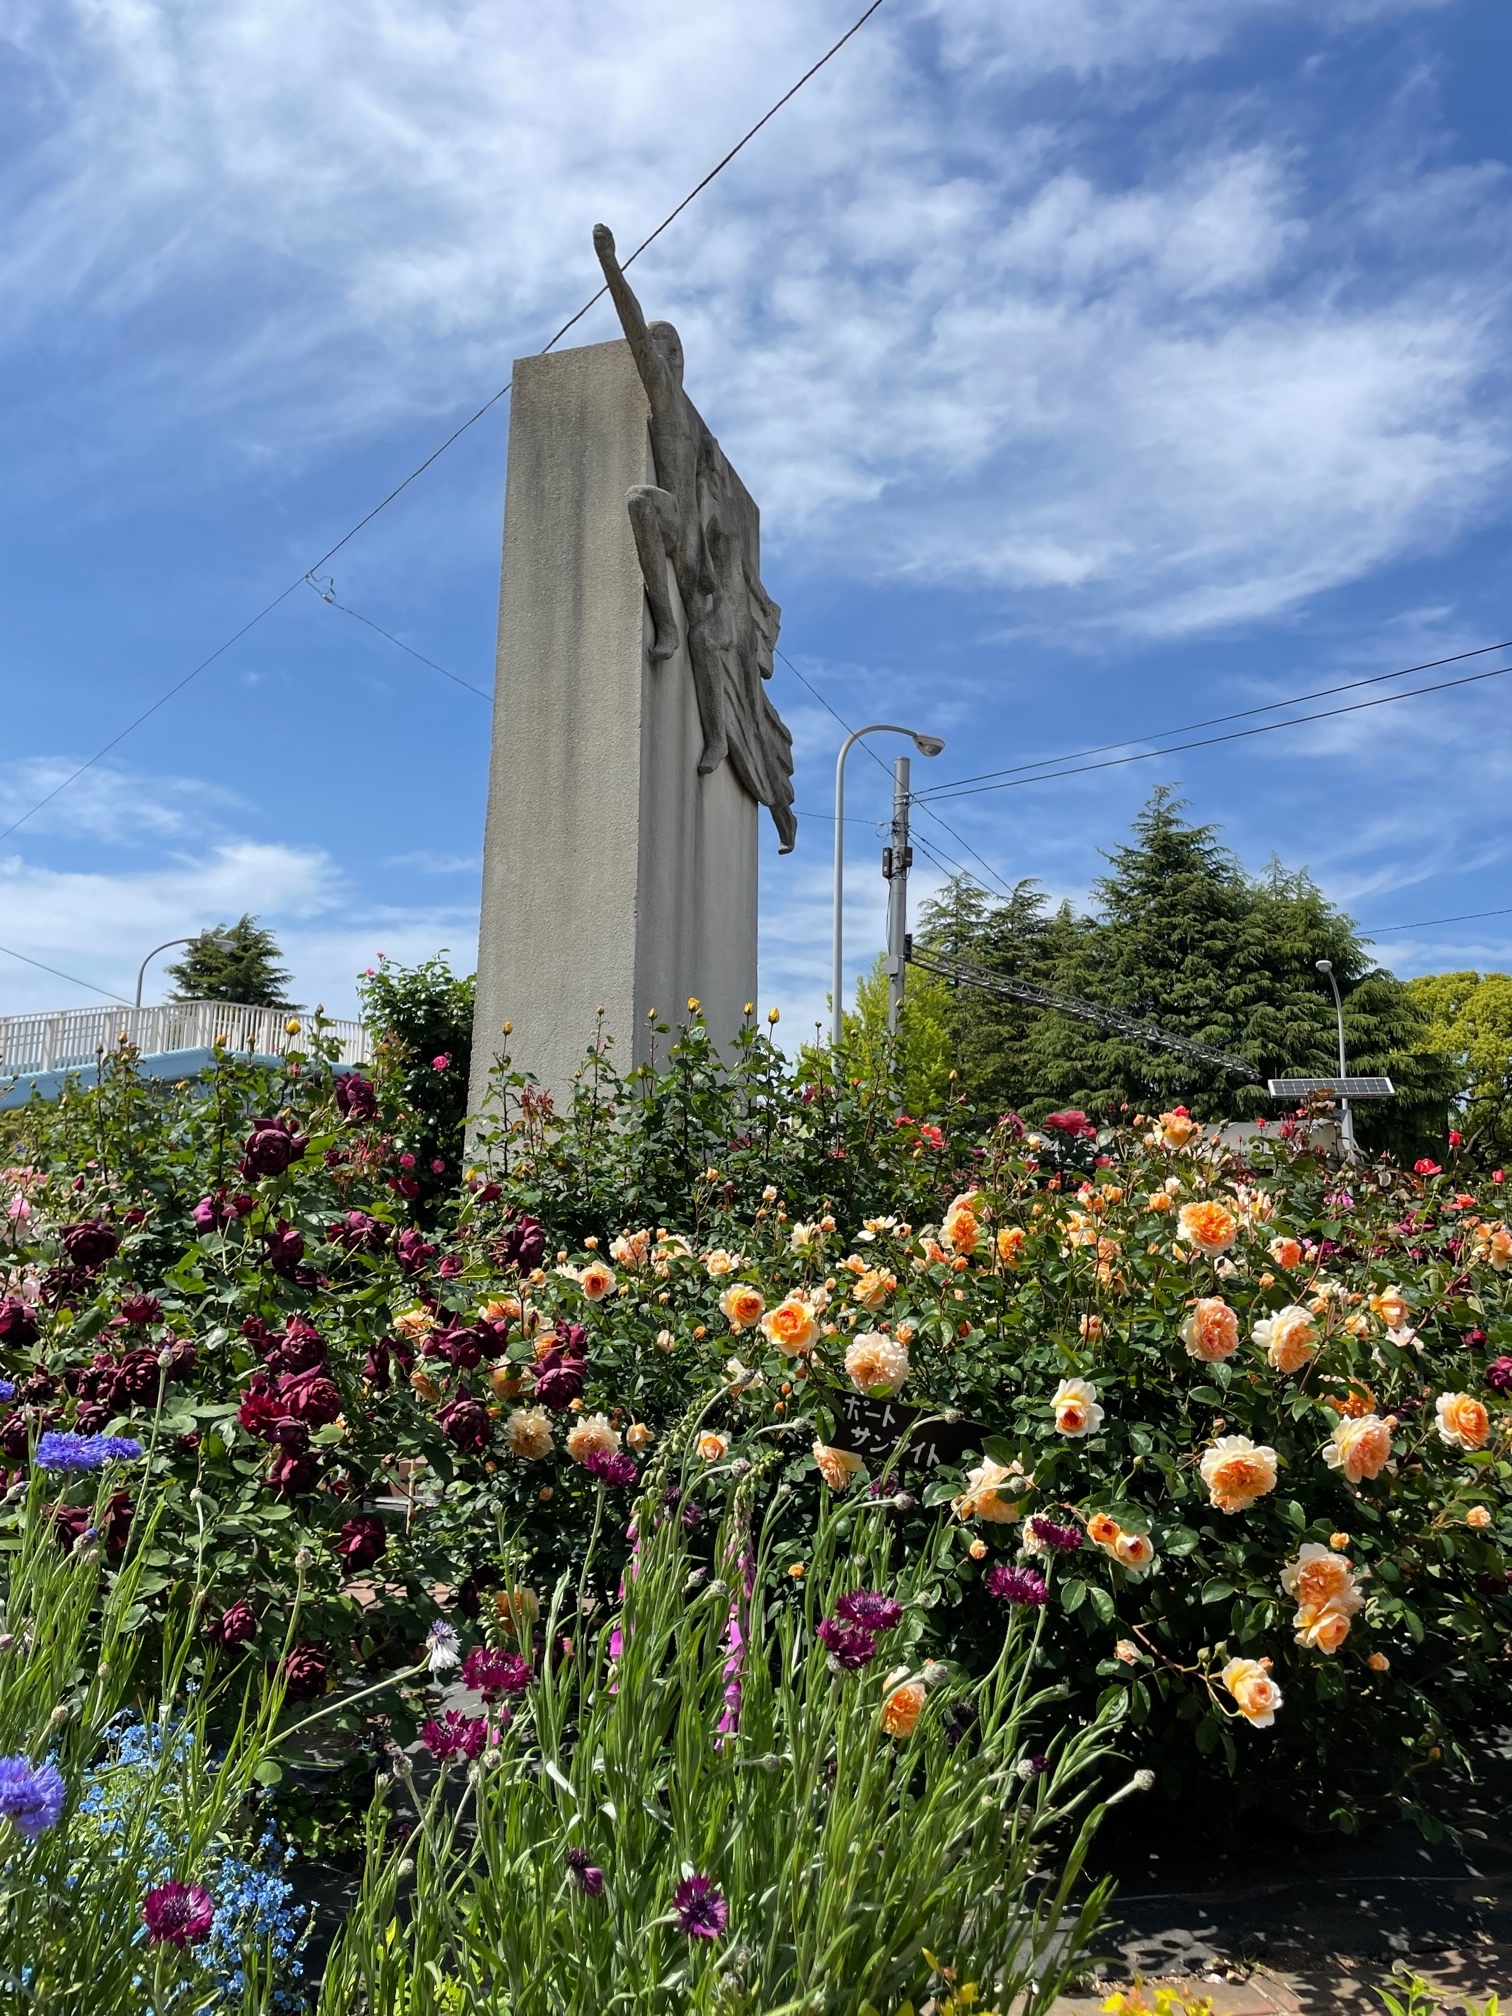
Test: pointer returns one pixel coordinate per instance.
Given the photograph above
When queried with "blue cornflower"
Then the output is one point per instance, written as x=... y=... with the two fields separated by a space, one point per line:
x=31 y=1796
x=61 y=1449
x=7 y=1390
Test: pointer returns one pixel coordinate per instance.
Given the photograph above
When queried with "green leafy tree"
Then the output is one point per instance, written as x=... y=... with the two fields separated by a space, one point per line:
x=1183 y=938
x=921 y=1056
x=1469 y=1020
x=233 y=962
x=421 y=1018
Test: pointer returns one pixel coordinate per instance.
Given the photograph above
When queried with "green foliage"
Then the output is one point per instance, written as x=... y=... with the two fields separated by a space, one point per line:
x=919 y=1061
x=1183 y=939
x=422 y=1019
x=236 y=962
x=698 y=1728
x=1468 y=1017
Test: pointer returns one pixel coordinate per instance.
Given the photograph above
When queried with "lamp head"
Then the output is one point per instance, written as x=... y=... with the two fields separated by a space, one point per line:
x=928 y=745
x=1324 y=965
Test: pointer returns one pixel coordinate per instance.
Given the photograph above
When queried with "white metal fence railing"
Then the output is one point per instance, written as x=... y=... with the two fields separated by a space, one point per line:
x=72 y=1038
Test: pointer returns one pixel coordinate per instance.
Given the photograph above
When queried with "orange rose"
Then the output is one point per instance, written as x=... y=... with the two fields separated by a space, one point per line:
x=1360 y=1447
x=1076 y=1410
x=1237 y=1472
x=1462 y=1420
x=1286 y=1253
x=1255 y=1693
x=1208 y=1226
x=1103 y=1530
x=1478 y=1516
x=984 y=1497
x=838 y=1467
x=1010 y=1246
x=792 y=1326
x=903 y=1707
x=743 y=1306
x=711 y=1447
x=1211 y=1331
x=1391 y=1306
x=1317 y=1576
x=596 y=1280
x=1177 y=1128
x=1289 y=1339
x=960 y=1231
x=1324 y=1629
x=874 y=1287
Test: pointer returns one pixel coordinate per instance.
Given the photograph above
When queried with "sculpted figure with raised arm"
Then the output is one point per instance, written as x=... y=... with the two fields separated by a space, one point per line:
x=699 y=516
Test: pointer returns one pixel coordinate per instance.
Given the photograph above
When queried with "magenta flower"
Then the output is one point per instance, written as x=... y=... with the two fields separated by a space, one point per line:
x=455 y=1735
x=270 y=1148
x=90 y=1244
x=178 y=1913
x=611 y=1467
x=414 y=1252
x=234 y=1626
x=304 y=1670
x=871 y=1608
x=851 y=1646
x=495 y=1673
x=1060 y=1539
x=1017 y=1585
x=1499 y=1374
x=440 y=1063
x=701 y=1912
x=583 y=1873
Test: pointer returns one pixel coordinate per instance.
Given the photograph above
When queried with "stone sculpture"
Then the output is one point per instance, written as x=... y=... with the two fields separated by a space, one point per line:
x=699 y=516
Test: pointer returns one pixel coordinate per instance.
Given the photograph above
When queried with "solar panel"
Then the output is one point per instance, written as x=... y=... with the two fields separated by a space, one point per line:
x=1341 y=1088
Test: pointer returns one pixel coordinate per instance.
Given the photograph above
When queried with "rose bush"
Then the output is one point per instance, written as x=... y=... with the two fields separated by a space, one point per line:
x=1196 y=1371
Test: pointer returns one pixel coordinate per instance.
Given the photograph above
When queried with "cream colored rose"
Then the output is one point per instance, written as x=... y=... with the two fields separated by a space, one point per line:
x=1237 y=1471
x=1289 y=1339
x=1076 y=1410
x=838 y=1467
x=1462 y=1420
x=802 y=1237
x=1361 y=1447
x=1090 y=1329
x=596 y=1280
x=1136 y=1551
x=1255 y=1693
x=792 y=1326
x=592 y=1435
x=1211 y=1330
x=527 y=1431
x=638 y=1436
x=1317 y=1575
x=1478 y=1516
x=719 y=1263
x=1208 y=1225
x=743 y=1306
x=876 y=1363
x=985 y=1494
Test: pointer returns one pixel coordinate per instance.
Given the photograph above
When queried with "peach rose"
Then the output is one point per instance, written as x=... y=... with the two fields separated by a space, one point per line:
x=1462 y=1420
x=528 y=1433
x=1211 y=1331
x=592 y=1436
x=1136 y=1551
x=1209 y=1226
x=1103 y=1530
x=1391 y=1306
x=414 y=1324
x=1237 y=1472
x=639 y=1436
x=711 y=1447
x=719 y=1263
x=1323 y=1628
x=1010 y=1245
x=743 y=1306
x=873 y=1287
x=1286 y=1253
x=876 y=1363
x=1177 y=1128
x=1289 y=1339
x=1316 y=1576
x=1158 y=1200
x=1478 y=1516
x=1493 y=1243
x=1090 y=1329
x=983 y=1497
x=1360 y=1447
x=792 y=1326
x=596 y=1280
x=838 y=1467
x=1255 y=1693
x=959 y=1230
x=1076 y=1410
x=903 y=1707
x=630 y=1248
x=1378 y=1663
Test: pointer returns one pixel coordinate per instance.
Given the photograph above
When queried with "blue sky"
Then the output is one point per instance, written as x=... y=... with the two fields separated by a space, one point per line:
x=1099 y=366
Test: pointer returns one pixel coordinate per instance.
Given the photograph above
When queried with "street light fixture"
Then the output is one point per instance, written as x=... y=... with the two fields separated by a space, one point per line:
x=167 y=946
x=1346 y=1117
x=927 y=745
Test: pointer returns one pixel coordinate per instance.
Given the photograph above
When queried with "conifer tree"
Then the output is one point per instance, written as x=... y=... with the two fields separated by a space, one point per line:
x=236 y=962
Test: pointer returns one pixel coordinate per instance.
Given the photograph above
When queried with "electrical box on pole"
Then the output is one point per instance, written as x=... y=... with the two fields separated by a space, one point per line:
x=897 y=859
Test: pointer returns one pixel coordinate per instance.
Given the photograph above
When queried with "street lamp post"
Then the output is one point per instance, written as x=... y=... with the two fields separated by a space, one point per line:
x=1346 y=1117
x=167 y=946
x=927 y=745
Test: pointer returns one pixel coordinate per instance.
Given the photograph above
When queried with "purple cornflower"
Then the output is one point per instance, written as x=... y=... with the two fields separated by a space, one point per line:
x=1499 y=1374
x=611 y=1466
x=455 y=1735
x=495 y=1673
x=1017 y=1585
x=583 y=1873
x=179 y=1913
x=7 y=1390
x=851 y=1646
x=871 y=1608
x=31 y=1796
x=61 y=1449
x=1049 y=1533
x=701 y=1912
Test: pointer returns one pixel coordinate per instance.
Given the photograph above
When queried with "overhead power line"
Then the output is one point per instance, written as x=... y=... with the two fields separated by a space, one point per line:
x=1427 y=923
x=1209 y=741
x=326 y=590
x=1218 y=720
x=58 y=974
x=456 y=435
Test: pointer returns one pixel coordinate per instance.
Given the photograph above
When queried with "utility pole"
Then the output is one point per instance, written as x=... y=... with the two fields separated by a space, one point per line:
x=897 y=859
x=1346 y=1117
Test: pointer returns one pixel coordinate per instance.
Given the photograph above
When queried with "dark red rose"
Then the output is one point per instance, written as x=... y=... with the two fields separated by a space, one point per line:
x=140 y=1312
x=40 y=1386
x=135 y=1217
x=304 y=1673
x=358 y=1233
x=270 y=1148
x=310 y=1397
x=259 y=1413
x=466 y=1423
x=490 y=1194
x=363 y=1540
x=256 y=1332
x=460 y=1345
x=74 y=1521
x=90 y=1417
x=356 y=1097
x=18 y=1324
x=522 y=1244
x=292 y=1476
x=183 y=1354
x=470 y=1597
x=92 y=1243
x=15 y=1436
x=296 y=1348
x=236 y=1626
x=573 y=1338
x=559 y=1381
x=408 y=1186
x=451 y=1266
x=285 y=1249
x=1499 y=1375
x=415 y=1253
x=134 y=1379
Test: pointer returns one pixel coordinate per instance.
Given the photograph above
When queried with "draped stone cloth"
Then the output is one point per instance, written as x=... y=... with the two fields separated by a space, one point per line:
x=699 y=516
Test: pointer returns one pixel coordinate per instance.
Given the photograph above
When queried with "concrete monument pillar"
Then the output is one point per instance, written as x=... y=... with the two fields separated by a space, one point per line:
x=631 y=734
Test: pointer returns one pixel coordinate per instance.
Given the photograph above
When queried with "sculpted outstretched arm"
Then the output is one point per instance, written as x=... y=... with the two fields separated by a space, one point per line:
x=633 y=322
